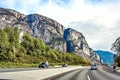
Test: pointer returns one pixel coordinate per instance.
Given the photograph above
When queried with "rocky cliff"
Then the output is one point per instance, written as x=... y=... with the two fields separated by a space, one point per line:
x=10 y=18
x=95 y=58
x=116 y=46
x=50 y=31
x=106 y=56
x=76 y=42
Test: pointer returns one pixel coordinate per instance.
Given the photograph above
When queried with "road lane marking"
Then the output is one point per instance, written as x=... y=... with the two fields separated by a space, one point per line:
x=88 y=77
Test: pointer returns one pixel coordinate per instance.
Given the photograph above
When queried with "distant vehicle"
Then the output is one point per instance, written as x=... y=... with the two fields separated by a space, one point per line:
x=64 y=65
x=93 y=67
x=44 y=65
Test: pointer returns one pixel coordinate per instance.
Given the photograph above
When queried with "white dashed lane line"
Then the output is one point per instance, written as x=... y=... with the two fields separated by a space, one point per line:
x=88 y=77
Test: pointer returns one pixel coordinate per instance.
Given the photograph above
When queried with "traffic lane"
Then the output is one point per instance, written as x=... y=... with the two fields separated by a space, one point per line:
x=100 y=74
x=86 y=74
x=16 y=69
x=36 y=74
x=23 y=69
x=79 y=74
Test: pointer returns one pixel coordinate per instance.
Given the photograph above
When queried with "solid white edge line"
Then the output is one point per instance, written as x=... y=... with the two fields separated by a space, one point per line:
x=88 y=77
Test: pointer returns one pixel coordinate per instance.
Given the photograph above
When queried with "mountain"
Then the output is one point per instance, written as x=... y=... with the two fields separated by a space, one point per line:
x=75 y=41
x=106 y=56
x=116 y=46
x=50 y=31
x=94 y=56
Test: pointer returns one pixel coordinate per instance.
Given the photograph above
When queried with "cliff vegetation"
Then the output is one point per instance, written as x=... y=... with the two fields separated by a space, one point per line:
x=27 y=51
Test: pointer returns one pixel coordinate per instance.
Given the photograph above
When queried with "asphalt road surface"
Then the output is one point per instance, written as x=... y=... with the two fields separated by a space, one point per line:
x=86 y=74
x=22 y=69
x=59 y=73
x=33 y=73
x=16 y=69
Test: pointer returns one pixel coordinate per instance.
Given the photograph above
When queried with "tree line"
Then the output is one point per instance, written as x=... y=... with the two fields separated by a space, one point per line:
x=30 y=50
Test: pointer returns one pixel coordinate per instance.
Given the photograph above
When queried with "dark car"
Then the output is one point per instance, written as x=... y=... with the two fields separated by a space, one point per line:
x=64 y=65
x=43 y=65
x=93 y=67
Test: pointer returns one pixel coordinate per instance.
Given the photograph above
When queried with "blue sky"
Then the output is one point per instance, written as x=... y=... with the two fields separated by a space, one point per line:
x=98 y=20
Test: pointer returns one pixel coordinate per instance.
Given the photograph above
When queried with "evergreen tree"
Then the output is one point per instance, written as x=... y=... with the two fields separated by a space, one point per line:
x=31 y=50
x=3 y=45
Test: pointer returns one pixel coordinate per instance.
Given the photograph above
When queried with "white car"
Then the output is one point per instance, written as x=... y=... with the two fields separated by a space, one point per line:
x=93 y=67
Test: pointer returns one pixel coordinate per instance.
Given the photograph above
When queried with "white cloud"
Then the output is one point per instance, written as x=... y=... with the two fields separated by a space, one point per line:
x=97 y=36
x=98 y=19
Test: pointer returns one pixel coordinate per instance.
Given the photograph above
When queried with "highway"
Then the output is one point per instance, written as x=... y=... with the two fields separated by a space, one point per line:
x=33 y=73
x=59 y=73
x=86 y=74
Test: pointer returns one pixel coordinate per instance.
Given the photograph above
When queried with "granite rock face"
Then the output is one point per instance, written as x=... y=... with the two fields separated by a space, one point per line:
x=116 y=46
x=37 y=25
x=94 y=56
x=106 y=57
x=10 y=18
x=50 y=31
x=43 y=27
x=76 y=42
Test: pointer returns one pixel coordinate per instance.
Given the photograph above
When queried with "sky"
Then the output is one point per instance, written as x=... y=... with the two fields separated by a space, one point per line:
x=98 y=20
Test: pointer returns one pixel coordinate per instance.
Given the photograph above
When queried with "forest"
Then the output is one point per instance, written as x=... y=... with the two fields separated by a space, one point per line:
x=27 y=51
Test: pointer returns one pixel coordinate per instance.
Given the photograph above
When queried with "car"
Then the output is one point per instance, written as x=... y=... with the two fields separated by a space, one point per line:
x=43 y=65
x=64 y=65
x=93 y=67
